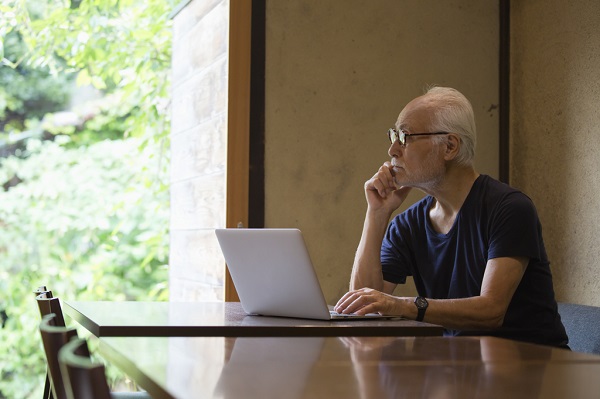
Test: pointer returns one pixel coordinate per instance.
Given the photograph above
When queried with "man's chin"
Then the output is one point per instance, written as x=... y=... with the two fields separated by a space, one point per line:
x=403 y=182
x=423 y=186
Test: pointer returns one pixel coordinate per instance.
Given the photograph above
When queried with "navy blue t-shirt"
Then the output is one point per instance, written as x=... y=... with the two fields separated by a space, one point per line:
x=494 y=221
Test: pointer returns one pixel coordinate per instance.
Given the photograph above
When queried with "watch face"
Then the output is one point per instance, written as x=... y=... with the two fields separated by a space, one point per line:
x=421 y=302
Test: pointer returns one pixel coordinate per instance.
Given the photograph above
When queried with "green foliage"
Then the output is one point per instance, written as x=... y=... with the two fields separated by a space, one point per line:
x=89 y=215
x=91 y=223
x=107 y=121
x=86 y=206
x=122 y=46
x=27 y=92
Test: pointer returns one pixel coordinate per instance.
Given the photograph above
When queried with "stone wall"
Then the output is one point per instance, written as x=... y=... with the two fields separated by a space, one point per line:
x=198 y=149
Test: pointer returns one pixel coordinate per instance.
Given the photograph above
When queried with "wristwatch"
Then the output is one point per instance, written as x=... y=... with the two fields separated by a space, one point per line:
x=421 y=304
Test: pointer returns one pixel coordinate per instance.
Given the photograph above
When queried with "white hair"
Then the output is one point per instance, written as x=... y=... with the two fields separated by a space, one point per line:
x=454 y=114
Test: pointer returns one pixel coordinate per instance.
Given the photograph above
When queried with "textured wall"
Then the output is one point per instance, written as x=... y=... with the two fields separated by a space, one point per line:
x=555 y=126
x=198 y=150
x=337 y=75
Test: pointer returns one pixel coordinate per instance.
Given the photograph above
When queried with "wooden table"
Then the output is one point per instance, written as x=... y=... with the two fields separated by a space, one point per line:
x=352 y=367
x=223 y=319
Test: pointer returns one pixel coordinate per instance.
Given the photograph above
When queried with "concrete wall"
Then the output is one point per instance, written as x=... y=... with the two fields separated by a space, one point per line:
x=337 y=75
x=555 y=130
x=198 y=150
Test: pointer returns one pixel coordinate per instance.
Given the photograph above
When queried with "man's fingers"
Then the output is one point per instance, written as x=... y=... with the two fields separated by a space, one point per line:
x=379 y=186
x=386 y=174
x=359 y=302
x=341 y=304
x=345 y=302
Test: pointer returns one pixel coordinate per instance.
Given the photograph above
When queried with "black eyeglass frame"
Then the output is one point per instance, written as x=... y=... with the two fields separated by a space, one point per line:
x=400 y=136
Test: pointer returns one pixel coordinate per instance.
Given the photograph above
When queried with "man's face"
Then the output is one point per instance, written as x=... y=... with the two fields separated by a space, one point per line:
x=420 y=163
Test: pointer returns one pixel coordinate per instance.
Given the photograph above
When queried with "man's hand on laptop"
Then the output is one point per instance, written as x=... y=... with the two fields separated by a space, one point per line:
x=367 y=300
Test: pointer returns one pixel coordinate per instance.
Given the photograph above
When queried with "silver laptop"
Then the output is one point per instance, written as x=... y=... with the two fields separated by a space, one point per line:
x=273 y=274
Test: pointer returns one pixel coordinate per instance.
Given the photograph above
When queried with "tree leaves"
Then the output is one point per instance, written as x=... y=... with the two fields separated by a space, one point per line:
x=120 y=46
x=90 y=213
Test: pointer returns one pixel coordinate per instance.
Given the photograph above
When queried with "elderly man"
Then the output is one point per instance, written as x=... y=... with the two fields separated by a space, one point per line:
x=473 y=245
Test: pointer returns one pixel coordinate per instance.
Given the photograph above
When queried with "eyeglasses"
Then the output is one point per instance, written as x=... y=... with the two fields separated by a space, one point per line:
x=399 y=135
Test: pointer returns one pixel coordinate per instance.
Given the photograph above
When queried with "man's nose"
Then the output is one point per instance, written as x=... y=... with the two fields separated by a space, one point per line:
x=394 y=150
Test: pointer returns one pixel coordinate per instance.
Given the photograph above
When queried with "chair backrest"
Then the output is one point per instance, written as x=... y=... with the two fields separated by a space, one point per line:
x=82 y=378
x=581 y=323
x=48 y=305
x=43 y=290
x=46 y=293
x=54 y=337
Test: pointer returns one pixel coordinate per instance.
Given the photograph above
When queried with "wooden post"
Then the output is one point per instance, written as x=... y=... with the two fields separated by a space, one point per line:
x=238 y=122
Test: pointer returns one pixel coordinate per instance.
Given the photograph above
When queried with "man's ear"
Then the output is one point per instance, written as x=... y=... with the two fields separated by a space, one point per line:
x=452 y=146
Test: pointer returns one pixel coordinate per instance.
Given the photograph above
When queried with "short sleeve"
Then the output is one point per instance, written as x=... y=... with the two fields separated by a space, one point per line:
x=394 y=254
x=515 y=229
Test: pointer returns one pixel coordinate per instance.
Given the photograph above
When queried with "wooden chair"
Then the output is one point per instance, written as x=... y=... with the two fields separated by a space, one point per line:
x=42 y=289
x=47 y=304
x=54 y=337
x=44 y=293
x=83 y=378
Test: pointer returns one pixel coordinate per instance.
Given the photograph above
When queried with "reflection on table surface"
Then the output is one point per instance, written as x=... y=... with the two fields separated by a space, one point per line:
x=352 y=367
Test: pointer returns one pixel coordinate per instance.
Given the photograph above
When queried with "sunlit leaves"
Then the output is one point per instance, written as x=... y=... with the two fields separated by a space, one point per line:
x=83 y=221
x=117 y=45
x=90 y=215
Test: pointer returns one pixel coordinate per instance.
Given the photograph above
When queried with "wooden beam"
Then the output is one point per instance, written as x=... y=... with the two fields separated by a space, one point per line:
x=238 y=122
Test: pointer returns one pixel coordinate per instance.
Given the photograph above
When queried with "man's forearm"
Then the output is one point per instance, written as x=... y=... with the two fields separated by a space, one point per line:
x=366 y=271
x=474 y=313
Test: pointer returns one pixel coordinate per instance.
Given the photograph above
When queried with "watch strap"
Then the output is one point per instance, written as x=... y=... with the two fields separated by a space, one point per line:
x=421 y=304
